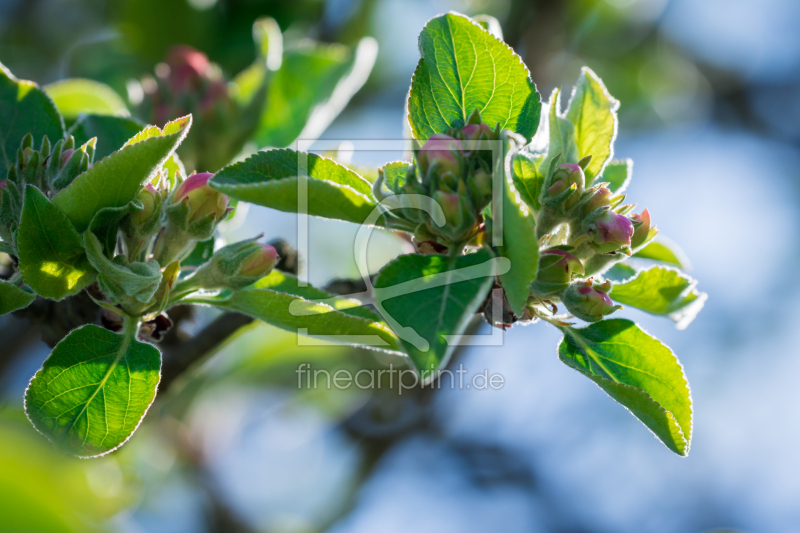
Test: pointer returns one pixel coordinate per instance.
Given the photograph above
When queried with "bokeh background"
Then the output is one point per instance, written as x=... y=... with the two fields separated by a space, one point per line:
x=710 y=95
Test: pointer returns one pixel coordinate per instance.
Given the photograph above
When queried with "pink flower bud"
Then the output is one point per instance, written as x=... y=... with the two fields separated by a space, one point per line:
x=601 y=198
x=474 y=132
x=589 y=302
x=564 y=177
x=451 y=205
x=202 y=199
x=443 y=152
x=641 y=223
x=65 y=155
x=612 y=231
x=186 y=67
x=260 y=262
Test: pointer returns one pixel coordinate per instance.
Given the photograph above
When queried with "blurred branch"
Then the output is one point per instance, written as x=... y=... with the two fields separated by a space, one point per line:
x=179 y=357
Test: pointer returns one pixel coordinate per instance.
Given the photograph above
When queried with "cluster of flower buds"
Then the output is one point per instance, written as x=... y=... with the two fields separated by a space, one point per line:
x=187 y=82
x=50 y=169
x=193 y=210
x=233 y=267
x=455 y=170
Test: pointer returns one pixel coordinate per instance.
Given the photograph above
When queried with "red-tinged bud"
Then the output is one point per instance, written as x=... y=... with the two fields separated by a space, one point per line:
x=611 y=232
x=451 y=206
x=65 y=155
x=557 y=267
x=587 y=301
x=563 y=178
x=233 y=267
x=201 y=199
x=641 y=224
x=260 y=262
x=601 y=198
x=442 y=152
x=187 y=67
x=475 y=132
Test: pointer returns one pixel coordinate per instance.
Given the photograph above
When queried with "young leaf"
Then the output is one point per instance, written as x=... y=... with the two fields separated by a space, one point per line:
x=280 y=301
x=527 y=178
x=464 y=68
x=520 y=245
x=105 y=224
x=94 y=390
x=24 y=108
x=13 y=298
x=662 y=291
x=639 y=372
x=428 y=298
x=115 y=181
x=620 y=272
x=562 y=134
x=314 y=83
x=394 y=174
x=664 y=251
x=594 y=113
x=111 y=132
x=270 y=179
x=51 y=255
x=120 y=277
x=77 y=95
x=618 y=173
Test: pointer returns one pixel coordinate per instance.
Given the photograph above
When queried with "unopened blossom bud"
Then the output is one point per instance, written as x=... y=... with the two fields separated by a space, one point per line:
x=65 y=155
x=451 y=206
x=588 y=301
x=233 y=267
x=475 y=132
x=147 y=221
x=480 y=186
x=600 y=198
x=610 y=232
x=641 y=225
x=186 y=67
x=568 y=174
x=557 y=267
x=202 y=200
x=441 y=152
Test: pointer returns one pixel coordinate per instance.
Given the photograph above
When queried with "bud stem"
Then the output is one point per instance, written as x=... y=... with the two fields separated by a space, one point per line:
x=173 y=244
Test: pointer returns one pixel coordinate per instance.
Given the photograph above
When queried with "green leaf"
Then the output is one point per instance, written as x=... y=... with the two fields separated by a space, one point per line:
x=24 y=108
x=428 y=298
x=313 y=85
x=662 y=291
x=664 y=251
x=617 y=173
x=639 y=372
x=620 y=272
x=120 y=277
x=13 y=298
x=464 y=68
x=51 y=255
x=527 y=179
x=394 y=174
x=520 y=244
x=280 y=301
x=111 y=132
x=594 y=113
x=94 y=390
x=117 y=179
x=562 y=134
x=270 y=178
x=77 y=95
